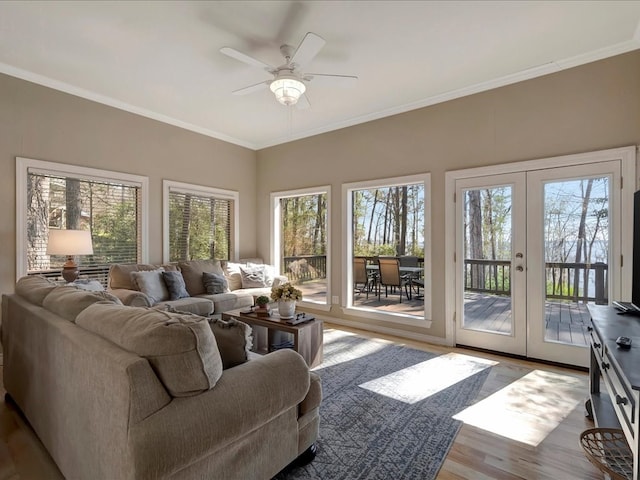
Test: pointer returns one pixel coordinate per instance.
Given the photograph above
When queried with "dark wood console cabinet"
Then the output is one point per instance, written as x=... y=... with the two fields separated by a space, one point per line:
x=614 y=375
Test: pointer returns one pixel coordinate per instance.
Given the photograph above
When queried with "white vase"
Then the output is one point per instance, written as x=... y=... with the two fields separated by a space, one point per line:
x=286 y=308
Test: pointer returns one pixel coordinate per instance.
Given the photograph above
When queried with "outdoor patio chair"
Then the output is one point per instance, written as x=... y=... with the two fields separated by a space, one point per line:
x=390 y=277
x=412 y=261
x=362 y=279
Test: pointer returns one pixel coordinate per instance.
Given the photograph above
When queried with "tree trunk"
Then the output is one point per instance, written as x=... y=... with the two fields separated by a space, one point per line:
x=73 y=204
x=475 y=237
x=581 y=237
x=37 y=222
x=402 y=246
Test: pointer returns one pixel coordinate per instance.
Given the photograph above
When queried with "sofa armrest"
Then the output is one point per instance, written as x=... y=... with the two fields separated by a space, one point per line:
x=314 y=395
x=131 y=298
x=245 y=398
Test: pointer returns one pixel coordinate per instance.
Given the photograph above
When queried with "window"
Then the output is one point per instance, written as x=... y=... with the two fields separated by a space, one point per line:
x=388 y=218
x=200 y=222
x=301 y=236
x=55 y=196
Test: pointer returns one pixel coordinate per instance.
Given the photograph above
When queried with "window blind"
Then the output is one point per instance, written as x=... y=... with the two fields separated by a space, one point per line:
x=200 y=226
x=109 y=210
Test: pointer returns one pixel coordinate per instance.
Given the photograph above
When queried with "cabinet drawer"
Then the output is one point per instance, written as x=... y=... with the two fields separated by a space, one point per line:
x=596 y=343
x=622 y=396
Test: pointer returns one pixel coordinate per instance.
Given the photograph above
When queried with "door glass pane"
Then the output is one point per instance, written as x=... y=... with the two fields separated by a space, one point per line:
x=487 y=259
x=576 y=240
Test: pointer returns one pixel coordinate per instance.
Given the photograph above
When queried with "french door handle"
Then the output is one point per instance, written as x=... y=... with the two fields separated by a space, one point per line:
x=520 y=268
x=519 y=255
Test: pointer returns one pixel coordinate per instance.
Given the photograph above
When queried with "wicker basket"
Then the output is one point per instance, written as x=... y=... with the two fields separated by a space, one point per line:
x=608 y=450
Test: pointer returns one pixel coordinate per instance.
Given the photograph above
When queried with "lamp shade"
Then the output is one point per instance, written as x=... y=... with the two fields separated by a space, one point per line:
x=69 y=242
x=287 y=90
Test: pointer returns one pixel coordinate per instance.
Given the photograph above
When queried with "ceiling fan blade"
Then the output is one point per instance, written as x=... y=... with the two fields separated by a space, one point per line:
x=244 y=58
x=303 y=102
x=252 y=88
x=342 y=81
x=309 y=47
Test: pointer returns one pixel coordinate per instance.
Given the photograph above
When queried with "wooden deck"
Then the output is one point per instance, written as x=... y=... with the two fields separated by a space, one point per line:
x=565 y=321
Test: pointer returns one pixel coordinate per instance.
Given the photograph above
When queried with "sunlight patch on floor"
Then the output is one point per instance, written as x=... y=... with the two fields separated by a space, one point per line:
x=528 y=409
x=420 y=381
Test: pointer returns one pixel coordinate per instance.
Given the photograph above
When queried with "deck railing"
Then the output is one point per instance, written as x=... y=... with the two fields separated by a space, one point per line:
x=305 y=267
x=494 y=276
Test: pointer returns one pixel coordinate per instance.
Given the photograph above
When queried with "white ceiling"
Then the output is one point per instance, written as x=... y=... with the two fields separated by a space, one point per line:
x=161 y=59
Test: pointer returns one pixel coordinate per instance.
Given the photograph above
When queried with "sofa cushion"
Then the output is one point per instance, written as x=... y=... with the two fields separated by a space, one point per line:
x=192 y=271
x=175 y=285
x=181 y=348
x=34 y=288
x=234 y=340
x=223 y=302
x=120 y=274
x=253 y=277
x=215 y=283
x=68 y=301
x=196 y=305
x=152 y=284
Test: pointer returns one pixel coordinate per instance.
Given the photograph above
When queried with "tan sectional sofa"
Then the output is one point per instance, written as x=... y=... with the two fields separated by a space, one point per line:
x=117 y=392
x=245 y=281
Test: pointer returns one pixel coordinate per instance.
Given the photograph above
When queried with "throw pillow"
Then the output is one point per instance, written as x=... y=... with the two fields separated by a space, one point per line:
x=152 y=284
x=215 y=283
x=192 y=271
x=175 y=285
x=234 y=341
x=269 y=272
x=253 y=277
x=234 y=277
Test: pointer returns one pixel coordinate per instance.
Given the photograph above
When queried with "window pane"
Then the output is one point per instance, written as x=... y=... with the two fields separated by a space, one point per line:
x=303 y=225
x=388 y=221
x=109 y=210
x=199 y=227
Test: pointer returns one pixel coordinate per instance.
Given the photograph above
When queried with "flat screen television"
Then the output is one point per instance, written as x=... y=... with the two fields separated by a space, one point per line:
x=635 y=279
x=634 y=305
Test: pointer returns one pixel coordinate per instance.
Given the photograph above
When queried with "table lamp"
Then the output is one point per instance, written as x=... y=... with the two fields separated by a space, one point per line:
x=69 y=243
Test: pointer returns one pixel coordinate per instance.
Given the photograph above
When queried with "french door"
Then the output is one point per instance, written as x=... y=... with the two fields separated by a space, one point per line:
x=533 y=248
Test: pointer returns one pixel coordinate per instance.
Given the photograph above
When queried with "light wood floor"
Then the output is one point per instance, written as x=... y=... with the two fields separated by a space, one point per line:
x=476 y=454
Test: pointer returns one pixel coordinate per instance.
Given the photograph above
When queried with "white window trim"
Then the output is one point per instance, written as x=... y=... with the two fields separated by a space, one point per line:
x=347 y=250
x=275 y=235
x=24 y=165
x=627 y=156
x=201 y=190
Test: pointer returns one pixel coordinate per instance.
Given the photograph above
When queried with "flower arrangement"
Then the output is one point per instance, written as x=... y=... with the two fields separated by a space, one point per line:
x=286 y=292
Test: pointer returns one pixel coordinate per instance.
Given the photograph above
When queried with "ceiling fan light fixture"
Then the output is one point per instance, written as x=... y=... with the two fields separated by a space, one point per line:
x=287 y=90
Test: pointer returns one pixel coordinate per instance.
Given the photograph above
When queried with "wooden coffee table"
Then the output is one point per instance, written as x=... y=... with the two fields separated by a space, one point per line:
x=307 y=336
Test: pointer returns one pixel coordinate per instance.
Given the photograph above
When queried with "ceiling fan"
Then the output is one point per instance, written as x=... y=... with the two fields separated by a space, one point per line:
x=289 y=82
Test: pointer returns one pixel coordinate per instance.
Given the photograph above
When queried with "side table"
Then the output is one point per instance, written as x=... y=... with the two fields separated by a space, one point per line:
x=307 y=336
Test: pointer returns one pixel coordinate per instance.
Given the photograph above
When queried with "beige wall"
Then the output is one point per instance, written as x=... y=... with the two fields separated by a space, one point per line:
x=592 y=107
x=40 y=123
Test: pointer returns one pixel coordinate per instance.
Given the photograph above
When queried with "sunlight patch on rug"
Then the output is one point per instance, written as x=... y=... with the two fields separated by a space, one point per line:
x=339 y=347
x=528 y=409
x=420 y=381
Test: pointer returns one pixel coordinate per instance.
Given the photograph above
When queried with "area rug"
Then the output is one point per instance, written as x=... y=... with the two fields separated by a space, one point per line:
x=387 y=410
